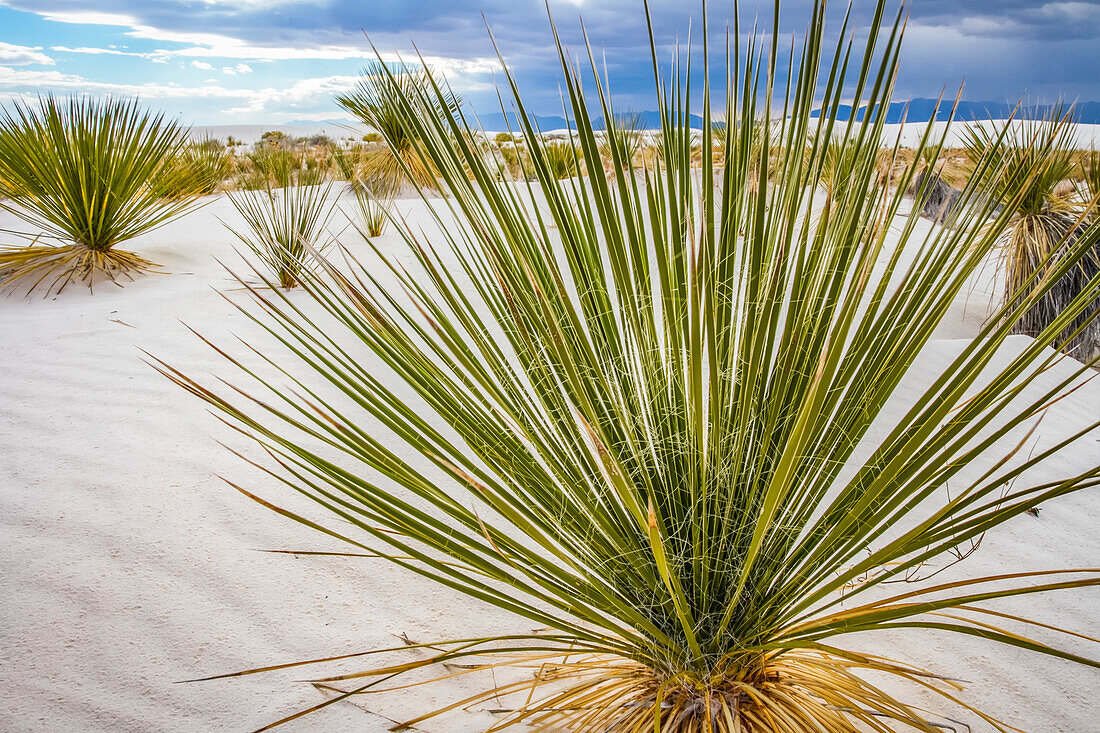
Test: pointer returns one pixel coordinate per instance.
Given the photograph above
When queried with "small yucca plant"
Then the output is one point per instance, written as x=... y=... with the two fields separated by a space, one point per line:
x=271 y=166
x=284 y=225
x=371 y=209
x=208 y=164
x=636 y=429
x=1032 y=160
x=91 y=173
x=376 y=101
x=563 y=159
x=621 y=141
x=1089 y=187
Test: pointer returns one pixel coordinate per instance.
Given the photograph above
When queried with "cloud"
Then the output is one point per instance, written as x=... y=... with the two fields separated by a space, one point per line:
x=233 y=70
x=21 y=55
x=202 y=65
x=1016 y=19
x=18 y=81
x=159 y=56
x=301 y=100
x=1004 y=48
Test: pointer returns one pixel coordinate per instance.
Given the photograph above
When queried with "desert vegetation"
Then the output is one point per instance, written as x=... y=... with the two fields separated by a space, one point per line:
x=90 y=174
x=1033 y=162
x=655 y=461
x=375 y=101
x=284 y=225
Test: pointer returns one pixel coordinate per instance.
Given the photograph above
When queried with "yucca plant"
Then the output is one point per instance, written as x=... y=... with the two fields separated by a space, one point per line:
x=1037 y=157
x=1089 y=187
x=636 y=430
x=345 y=162
x=275 y=166
x=622 y=139
x=563 y=159
x=376 y=101
x=208 y=165
x=371 y=210
x=89 y=173
x=284 y=225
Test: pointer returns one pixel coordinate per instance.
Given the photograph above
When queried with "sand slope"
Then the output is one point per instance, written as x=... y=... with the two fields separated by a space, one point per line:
x=127 y=565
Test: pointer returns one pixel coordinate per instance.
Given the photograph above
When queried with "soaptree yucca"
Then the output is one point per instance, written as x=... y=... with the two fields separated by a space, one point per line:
x=91 y=174
x=283 y=225
x=596 y=405
x=377 y=102
x=1035 y=158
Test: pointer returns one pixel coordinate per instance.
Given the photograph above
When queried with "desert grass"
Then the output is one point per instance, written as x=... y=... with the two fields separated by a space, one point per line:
x=90 y=174
x=630 y=419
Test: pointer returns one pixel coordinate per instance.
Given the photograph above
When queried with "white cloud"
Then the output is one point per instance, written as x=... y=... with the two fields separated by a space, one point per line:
x=243 y=69
x=15 y=79
x=88 y=17
x=202 y=65
x=305 y=93
x=21 y=55
x=159 y=56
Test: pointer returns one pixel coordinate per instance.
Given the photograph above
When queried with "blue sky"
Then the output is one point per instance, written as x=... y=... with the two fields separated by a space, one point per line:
x=271 y=61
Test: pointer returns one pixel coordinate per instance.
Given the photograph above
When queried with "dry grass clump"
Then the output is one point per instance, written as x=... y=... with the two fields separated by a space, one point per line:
x=632 y=417
x=91 y=174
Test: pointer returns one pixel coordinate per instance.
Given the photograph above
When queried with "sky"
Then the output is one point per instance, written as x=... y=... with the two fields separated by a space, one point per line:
x=275 y=61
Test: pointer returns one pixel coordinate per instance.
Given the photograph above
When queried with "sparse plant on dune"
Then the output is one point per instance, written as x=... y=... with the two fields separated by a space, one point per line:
x=375 y=102
x=89 y=173
x=282 y=165
x=346 y=162
x=206 y=165
x=284 y=225
x=270 y=166
x=371 y=209
x=621 y=141
x=562 y=158
x=1037 y=157
x=637 y=430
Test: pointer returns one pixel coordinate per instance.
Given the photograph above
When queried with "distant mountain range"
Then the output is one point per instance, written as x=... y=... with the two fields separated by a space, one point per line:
x=650 y=120
x=914 y=110
x=923 y=110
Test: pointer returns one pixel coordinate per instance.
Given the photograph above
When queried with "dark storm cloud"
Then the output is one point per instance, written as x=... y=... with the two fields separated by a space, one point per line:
x=1004 y=48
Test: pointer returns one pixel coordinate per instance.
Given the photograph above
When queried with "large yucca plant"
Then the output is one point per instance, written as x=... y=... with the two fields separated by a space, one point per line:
x=618 y=419
x=377 y=101
x=1036 y=157
x=91 y=173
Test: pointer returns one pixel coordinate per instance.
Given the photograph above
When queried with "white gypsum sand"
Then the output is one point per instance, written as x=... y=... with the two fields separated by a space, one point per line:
x=128 y=565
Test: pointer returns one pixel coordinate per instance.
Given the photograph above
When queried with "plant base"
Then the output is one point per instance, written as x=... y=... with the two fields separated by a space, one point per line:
x=56 y=267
